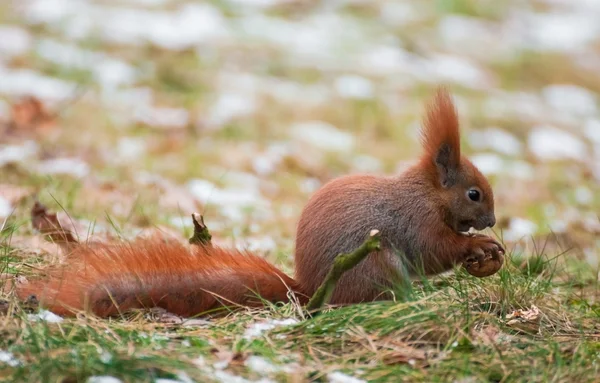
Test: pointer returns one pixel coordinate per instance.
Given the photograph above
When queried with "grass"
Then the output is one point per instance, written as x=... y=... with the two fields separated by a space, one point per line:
x=452 y=328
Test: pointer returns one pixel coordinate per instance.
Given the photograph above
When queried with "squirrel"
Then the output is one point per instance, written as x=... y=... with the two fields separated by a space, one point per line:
x=423 y=215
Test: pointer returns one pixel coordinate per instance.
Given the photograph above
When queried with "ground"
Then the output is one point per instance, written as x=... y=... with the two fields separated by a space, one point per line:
x=127 y=116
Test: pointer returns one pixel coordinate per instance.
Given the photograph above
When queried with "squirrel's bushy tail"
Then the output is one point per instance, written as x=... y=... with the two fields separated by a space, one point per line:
x=108 y=279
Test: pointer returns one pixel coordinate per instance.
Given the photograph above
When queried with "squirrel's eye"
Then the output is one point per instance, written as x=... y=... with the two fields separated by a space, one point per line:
x=474 y=195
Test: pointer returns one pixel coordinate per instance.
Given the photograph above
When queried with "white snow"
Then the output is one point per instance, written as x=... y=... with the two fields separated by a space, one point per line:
x=323 y=136
x=26 y=82
x=560 y=31
x=103 y=379
x=14 y=41
x=260 y=365
x=354 y=87
x=519 y=228
x=230 y=105
x=570 y=99
x=256 y=329
x=69 y=166
x=8 y=358
x=46 y=316
x=340 y=377
x=496 y=139
x=6 y=208
x=17 y=153
x=550 y=143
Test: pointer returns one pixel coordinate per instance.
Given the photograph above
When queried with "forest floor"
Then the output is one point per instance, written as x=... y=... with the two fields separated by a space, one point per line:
x=125 y=117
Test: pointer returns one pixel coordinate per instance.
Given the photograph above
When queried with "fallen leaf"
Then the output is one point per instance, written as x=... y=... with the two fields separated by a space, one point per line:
x=526 y=320
x=489 y=335
x=48 y=224
x=30 y=114
x=406 y=354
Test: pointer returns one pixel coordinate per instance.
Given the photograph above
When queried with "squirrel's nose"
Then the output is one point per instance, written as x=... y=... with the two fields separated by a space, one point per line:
x=491 y=221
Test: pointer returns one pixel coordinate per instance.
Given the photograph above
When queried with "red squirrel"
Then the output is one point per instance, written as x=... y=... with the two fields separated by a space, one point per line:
x=422 y=215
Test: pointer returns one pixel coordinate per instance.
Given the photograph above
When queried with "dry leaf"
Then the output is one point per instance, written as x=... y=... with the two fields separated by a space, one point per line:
x=526 y=320
x=406 y=355
x=30 y=114
x=48 y=224
x=489 y=335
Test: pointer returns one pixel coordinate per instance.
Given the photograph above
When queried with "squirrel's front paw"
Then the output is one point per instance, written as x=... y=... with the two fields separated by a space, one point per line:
x=484 y=258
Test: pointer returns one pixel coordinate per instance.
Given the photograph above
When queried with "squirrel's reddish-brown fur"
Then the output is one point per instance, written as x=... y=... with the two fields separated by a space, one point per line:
x=421 y=215
x=107 y=279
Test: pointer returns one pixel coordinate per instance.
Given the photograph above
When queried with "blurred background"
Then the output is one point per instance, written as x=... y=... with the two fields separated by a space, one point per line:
x=131 y=114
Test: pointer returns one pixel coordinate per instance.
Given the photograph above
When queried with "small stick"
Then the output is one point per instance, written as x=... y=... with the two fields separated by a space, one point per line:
x=341 y=264
x=201 y=234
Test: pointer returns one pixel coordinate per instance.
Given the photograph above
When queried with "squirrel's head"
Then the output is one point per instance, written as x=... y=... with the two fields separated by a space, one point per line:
x=464 y=192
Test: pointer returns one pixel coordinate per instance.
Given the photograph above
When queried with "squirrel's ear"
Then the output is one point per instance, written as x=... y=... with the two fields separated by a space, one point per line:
x=441 y=137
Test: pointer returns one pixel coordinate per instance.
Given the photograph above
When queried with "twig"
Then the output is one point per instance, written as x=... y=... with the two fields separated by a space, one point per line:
x=201 y=233
x=341 y=264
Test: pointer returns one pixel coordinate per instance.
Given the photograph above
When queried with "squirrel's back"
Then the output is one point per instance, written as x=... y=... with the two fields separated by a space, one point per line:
x=338 y=218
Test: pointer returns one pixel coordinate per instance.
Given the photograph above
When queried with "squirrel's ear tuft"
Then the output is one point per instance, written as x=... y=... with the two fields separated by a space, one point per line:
x=441 y=137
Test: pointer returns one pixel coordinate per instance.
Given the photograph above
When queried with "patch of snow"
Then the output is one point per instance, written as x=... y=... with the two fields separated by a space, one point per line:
x=550 y=143
x=310 y=185
x=231 y=201
x=256 y=329
x=108 y=71
x=103 y=379
x=496 y=139
x=291 y=92
x=323 y=136
x=18 y=153
x=105 y=357
x=489 y=163
x=226 y=377
x=165 y=380
x=445 y=67
x=131 y=148
x=592 y=130
x=6 y=208
x=14 y=41
x=340 y=377
x=522 y=105
x=584 y=195
x=315 y=41
x=577 y=5
x=258 y=244
x=51 y=11
x=26 y=82
x=364 y=163
x=570 y=99
x=153 y=3
x=386 y=60
x=166 y=117
x=260 y=365
x=46 y=316
x=8 y=358
x=230 y=105
x=561 y=31
x=475 y=37
x=70 y=166
x=354 y=87
x=257 y=3
x=397 y=13
x=183 y=28
x=518 y=229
